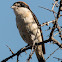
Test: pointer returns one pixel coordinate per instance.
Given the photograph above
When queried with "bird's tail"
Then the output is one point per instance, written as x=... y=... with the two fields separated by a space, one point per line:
x=39 y=53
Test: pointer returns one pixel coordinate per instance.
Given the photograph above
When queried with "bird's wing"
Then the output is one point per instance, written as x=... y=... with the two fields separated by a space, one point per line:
x=36 y=20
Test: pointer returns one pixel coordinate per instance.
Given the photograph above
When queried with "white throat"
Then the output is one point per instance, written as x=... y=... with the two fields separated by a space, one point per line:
x=24 y=13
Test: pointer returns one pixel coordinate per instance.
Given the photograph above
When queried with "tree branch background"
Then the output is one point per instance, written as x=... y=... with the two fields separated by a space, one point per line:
x=47 y=13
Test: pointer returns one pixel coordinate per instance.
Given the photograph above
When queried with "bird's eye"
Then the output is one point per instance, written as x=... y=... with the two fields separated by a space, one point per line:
x=22 y=5
x=18 y=6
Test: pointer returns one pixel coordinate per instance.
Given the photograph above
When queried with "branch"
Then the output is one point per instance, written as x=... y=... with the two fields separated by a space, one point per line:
x=57 y=58
x=54 y=5
x=59 y=31
x=30 y=47
x=52 y=53
x=18 y=53
x=10 y=49
x=56 y=42
x=48 y=9
x=30 y=56
x=47 y=23
x=23 y=50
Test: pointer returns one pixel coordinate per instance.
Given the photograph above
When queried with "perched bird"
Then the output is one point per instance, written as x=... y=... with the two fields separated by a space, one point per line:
x=29 y=28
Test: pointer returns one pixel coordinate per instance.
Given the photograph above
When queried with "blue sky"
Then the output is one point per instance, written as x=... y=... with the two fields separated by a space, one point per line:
x=9 y=34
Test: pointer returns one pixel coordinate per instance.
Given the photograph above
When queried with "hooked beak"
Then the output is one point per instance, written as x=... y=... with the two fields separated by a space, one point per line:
x=12 y=7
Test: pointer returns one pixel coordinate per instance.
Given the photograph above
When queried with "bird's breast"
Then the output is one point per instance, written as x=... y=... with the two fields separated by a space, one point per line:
x=28 y=28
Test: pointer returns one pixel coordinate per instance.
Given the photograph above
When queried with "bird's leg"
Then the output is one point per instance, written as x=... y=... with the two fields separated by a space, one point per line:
x=33 y=46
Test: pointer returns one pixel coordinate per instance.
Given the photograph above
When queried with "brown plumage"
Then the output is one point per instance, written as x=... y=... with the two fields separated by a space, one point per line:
x=28 y=27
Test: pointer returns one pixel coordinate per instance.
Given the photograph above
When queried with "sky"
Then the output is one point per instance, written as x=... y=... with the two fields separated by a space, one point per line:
x=10 y=36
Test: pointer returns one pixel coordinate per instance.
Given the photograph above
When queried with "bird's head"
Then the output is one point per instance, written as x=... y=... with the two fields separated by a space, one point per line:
x=20 y=7
x=19 y=4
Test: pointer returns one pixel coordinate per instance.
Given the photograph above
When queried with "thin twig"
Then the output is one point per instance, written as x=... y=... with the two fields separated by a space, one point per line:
x=47 y=23
x=57 y=58
x=19 y=52
x=30 y=56
x=54 y=5
x=52 y=53
x=56 y=42
x=47 y=9
x=10 y=49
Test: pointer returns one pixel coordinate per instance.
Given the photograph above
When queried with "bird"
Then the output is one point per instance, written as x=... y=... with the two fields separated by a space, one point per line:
x=29 y=29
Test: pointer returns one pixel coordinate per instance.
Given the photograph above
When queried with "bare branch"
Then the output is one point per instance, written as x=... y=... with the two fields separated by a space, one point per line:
x=52 y=54
x=57 y=58
x=47 y=23
x=59 y=31
x=48 y=9
x=18 y=53
x=30 y=47
x=54 y=5
x=10 y=49
x=30 y=56
x=56 y=42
